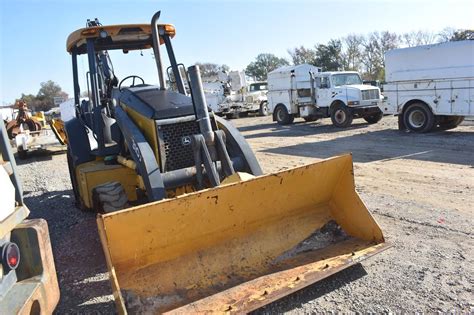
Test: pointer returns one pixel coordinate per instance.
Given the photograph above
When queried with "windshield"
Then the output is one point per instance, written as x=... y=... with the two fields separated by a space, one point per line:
x=346 y=79
x=258 y=87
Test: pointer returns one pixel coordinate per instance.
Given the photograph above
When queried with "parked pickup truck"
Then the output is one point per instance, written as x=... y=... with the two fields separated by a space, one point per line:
x=304 y=91
x=430 y=86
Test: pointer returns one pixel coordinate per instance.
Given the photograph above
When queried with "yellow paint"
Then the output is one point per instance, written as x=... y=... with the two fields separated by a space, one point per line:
x=237 y=177
x=79 y=37
x=94 y=173
x=196 y=245
x=147 y=126
x=58 y=128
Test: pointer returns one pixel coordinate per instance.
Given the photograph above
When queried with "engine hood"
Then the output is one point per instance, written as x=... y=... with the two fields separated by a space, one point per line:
x=359 y=87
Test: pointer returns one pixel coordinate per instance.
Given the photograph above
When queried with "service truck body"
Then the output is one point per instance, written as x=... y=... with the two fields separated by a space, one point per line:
x=304 y=91
x=231 y=95
x=430 y=86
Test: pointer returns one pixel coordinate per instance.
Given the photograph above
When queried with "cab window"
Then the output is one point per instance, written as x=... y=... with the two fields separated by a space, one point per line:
x=322 y=82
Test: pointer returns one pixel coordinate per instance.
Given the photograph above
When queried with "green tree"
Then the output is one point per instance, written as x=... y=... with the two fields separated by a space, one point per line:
x=462 y=35
x=211 y=69
x=300 y=55
x=263 y=64
x=47 y=92
x=329 y=57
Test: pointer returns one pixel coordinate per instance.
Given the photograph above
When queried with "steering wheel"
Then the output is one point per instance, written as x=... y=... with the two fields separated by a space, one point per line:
x=133 y=82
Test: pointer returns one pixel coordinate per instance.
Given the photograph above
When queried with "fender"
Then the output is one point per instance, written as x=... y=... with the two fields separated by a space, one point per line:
x=78 y=142
x=235 y=138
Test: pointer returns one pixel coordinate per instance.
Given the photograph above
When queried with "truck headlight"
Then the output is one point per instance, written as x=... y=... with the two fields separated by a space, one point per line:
x=353 y=103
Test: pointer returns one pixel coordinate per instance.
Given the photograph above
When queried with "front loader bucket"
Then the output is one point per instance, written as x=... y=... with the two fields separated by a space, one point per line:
x=239 y=246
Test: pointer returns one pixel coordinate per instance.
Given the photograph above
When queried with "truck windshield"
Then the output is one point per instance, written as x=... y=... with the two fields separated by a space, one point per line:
x=346 y=79
x=258 y=87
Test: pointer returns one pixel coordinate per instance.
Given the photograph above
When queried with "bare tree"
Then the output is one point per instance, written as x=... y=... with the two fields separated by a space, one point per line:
x=352 y=52
x=375 y=46
x=446 y=34
x=417 y=38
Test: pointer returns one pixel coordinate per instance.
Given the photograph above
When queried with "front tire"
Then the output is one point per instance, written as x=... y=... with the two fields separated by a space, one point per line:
x=418 y=118
x=109 y=197
x=341 y=116
x=22 y=153
x=263 y=111
x=282 y=116
x=373 y=119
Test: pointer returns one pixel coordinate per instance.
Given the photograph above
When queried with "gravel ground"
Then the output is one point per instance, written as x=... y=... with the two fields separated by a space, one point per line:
x=418 y=187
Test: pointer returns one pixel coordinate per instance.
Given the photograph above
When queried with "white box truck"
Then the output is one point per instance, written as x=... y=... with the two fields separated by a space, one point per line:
x=304 y=91
x=430 y=86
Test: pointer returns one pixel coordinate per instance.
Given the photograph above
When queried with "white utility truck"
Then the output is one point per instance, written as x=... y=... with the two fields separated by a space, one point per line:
x=430 y=86
x=231 y=95
x=304 y=91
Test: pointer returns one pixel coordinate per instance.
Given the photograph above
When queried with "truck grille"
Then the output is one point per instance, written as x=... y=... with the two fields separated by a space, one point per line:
x=178 y=152
x=370 y=95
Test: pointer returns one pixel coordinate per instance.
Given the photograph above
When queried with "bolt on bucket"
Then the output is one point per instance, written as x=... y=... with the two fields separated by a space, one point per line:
x=240 y=246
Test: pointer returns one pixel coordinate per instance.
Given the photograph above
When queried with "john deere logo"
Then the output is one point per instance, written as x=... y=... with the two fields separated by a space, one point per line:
x=186 y=140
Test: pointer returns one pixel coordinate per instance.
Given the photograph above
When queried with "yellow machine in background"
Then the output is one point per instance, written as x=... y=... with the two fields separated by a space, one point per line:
x=57 y=126
x=209 y=232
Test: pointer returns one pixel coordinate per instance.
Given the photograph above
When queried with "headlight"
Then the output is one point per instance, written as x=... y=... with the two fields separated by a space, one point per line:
x=353 y=103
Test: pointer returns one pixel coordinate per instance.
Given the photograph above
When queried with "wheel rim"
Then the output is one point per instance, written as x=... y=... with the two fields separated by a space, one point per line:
x=417 y=118
x=280 y=115
x=340 y=116
x=264 y=109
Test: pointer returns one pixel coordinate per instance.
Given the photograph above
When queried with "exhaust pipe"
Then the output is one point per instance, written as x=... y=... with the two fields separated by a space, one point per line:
x=200 y=105
x=156 y=49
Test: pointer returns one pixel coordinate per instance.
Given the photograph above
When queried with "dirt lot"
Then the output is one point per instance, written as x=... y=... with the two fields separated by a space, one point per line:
x=418 y=187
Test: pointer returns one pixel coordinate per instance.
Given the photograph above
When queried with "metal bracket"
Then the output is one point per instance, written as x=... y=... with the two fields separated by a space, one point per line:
x=143 y=156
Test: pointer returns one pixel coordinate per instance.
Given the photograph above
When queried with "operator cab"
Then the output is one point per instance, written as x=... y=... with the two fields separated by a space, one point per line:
x=106 y=91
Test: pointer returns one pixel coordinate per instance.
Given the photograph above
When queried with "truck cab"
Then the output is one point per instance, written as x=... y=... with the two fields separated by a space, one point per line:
x=304 y=91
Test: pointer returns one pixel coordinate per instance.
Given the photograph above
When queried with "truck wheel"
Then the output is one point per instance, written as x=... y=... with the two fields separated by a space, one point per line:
x=109 y=197
x=263 y=111
x=282 y=116
x=450 y=122
x=373 y=119
x=341 y=116
x=22 y=153
x=418 y=118
x=310 y=118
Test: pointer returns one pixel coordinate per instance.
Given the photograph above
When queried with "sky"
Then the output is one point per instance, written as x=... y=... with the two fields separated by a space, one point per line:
x=33 y=33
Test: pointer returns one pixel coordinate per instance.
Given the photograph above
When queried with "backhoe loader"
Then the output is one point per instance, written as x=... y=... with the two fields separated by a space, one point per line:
x=187 y=220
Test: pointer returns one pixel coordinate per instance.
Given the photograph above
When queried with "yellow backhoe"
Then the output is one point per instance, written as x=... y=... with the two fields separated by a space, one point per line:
x=188 y=221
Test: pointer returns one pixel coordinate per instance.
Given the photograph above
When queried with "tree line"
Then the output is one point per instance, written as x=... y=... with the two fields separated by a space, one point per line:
x=354 y=52
x=44 y=99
